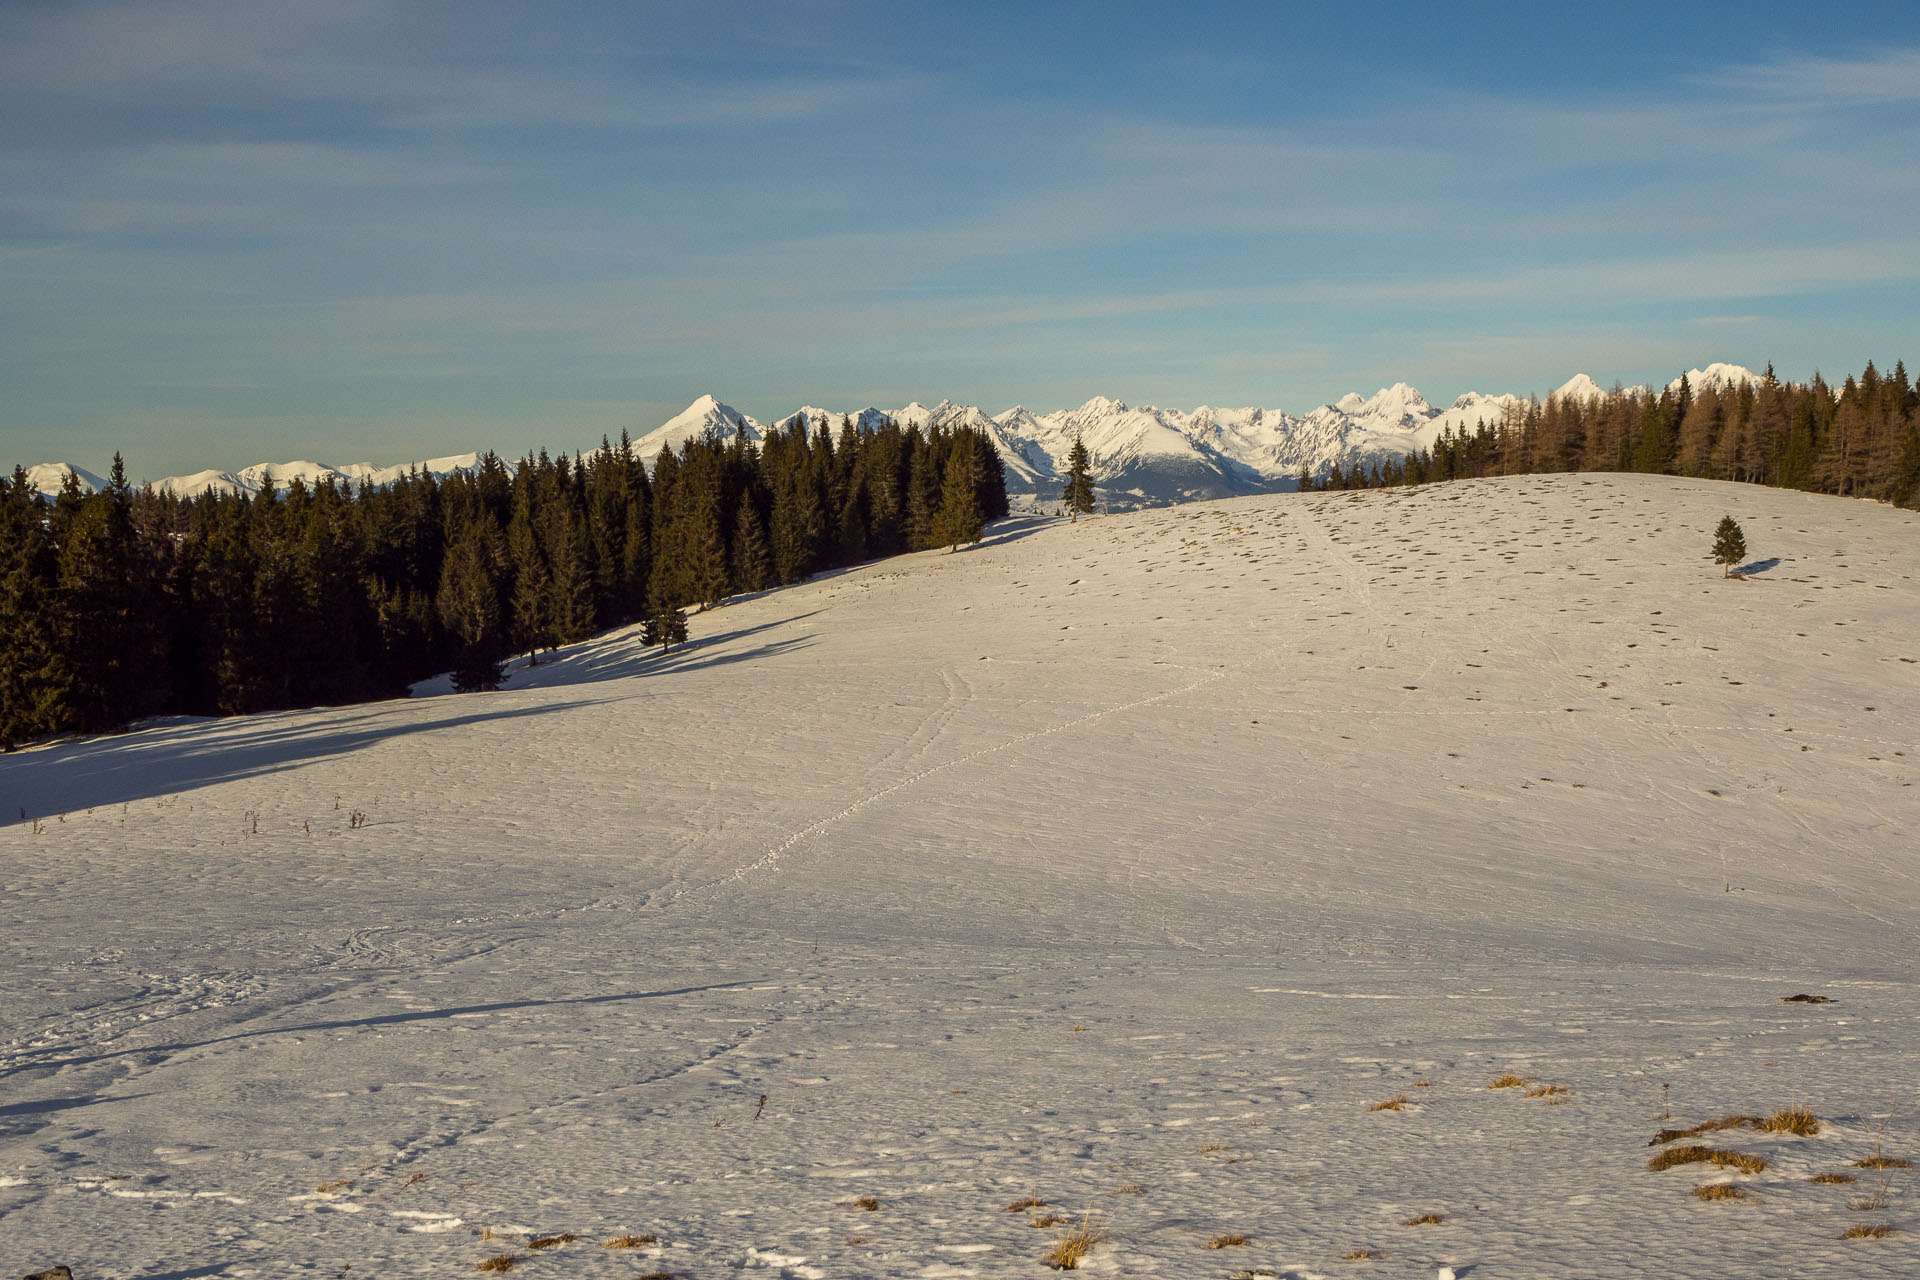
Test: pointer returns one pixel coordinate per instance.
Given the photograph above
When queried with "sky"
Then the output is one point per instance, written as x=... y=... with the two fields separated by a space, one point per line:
x=366 y=231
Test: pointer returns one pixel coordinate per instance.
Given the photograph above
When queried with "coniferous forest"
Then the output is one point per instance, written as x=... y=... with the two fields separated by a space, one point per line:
x=1862 y=440
x=130 y=602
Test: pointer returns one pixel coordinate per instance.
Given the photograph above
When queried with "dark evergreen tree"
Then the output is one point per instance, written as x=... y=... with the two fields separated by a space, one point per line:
x=959 y=518
x=1729 y=544
x=1078 y=493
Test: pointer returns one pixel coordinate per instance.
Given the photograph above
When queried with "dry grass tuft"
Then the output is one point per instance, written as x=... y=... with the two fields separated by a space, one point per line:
x=1883 y=1162
x=1071 y=1249
x=1130 y=1189
x=1031 y=1202
x=1867 y=1231
x=1227 y=1242
x=1707 y=1126
x=1210 y=1148
x=1507 y=1081
x=1720 y=1191
x=552 y=1242
x=328 y=1188
x=1361 y=1255
x=1425 y=1220
x=1804 y=998
x=1832 y=1177
x=1048 y=1220
x=498 y=1262
x=1793 y=1120
x=1391 y=1104
x=657 y=1275
x=1548 y=1091
x=865 y=1202
x=1694 y=1154
x=630 y=1242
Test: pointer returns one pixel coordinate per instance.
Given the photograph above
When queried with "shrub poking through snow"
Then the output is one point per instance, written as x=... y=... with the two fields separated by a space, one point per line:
x=630 y=1241
x=552 y=1242
x=1867 y=1231
x=498 y=1262
x=1391 y=1104
x=866 y=1202
x=1507 y=1081
x=1424 y=1220
x=1796 y=1120
x=1720 y=1191
x=1067 y=1253
x=1227 y=1242
x=1031 y=1202
x=1833 y=1178
x=1548 y=1091
x=1707 y=1126
x=1695 y=1154
x=1883 y=1162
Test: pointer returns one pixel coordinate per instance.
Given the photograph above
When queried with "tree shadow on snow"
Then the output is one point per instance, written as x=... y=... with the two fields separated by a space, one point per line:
x=69 y=777
x=358 y=1024
x=184 y=754
x=1758 y=566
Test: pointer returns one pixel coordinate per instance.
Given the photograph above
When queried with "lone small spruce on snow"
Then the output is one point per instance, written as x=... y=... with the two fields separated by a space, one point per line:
x=1729 y=544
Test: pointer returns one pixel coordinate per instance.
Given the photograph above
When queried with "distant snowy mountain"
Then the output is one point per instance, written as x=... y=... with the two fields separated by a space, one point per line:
x=50 y=477
x=704 y=417
x=1142 y=455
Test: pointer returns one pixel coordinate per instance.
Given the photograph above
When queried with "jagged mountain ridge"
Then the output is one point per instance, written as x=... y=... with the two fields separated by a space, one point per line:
x=1142 y=455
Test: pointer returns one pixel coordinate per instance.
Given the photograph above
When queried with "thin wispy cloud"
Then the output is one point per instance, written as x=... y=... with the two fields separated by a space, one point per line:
x=423 y=215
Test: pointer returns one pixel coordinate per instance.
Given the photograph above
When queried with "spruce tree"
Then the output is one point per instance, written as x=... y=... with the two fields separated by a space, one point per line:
x=752 y=559
x=1729 y=544
x=1078 y=494
x=958 y=520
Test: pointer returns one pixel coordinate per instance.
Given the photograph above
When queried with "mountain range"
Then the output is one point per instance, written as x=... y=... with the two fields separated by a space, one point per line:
x=1142 y=455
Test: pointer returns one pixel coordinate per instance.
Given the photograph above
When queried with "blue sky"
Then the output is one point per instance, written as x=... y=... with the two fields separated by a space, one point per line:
x=232 y=232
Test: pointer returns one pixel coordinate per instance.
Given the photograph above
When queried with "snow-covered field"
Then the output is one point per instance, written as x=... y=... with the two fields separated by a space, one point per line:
x=1123 y=865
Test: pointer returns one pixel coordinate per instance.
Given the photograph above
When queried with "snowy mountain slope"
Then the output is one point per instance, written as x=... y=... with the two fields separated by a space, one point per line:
x=1141 y=455
x=49 y=478
x=704 y=417
x=1126 y=864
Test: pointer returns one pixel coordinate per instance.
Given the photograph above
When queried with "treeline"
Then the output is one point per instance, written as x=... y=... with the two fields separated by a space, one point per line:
x=1862 y=440
x=128 y=603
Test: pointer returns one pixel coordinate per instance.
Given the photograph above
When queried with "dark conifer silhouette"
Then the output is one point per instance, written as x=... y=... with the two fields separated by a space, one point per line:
x=1078 y=493
x=1729 y=544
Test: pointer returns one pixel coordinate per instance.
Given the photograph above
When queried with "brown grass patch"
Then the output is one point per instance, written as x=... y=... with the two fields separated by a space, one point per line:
x=1793 y=1120
x=1804 y=998
x=1883 y=1162
x=1031 y=1202
x=1720 y=1191
x=1071 y=1249
x=630 y=1242
x=328 y=1188
x=1048 y=1220
x=1130 y=1189
x=552 y=1242
x=1210 y=1148
x=1867 y=1231
x=1507 y=1081
x=1425 y=1220
x=1548 y=1091
x=498 y=1262
x=1391 y=1104
x=1226 y=1242
x=657 y=1275
x=1707 y=1126
x=1832 y=1177
x=1694 y=1154
x=865 y=1202
x=1361 y=1255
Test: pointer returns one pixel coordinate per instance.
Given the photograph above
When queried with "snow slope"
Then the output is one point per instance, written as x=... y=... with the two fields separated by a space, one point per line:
x=50 y=477
x=1125 y=864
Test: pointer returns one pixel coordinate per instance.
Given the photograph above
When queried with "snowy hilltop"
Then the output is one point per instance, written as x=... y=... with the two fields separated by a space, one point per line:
x=1142 y=455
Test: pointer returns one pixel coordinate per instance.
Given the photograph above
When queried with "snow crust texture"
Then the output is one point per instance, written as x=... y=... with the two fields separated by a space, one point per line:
x=1126 y=865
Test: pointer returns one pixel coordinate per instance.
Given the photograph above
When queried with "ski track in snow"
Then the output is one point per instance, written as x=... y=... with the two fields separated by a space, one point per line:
x=1157 y=851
